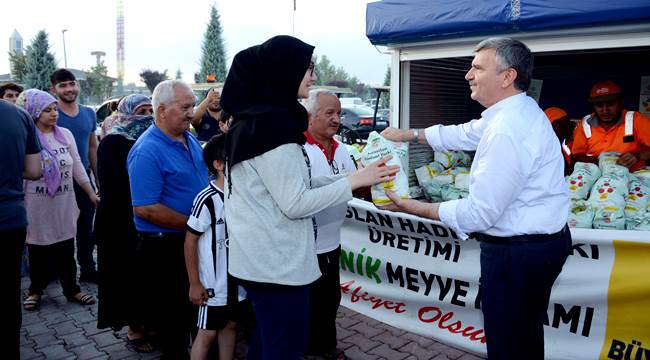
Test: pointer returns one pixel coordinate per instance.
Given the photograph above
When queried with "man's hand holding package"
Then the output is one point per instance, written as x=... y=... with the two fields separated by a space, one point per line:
x=410 y=206
x=627 y=159
x=394 y=134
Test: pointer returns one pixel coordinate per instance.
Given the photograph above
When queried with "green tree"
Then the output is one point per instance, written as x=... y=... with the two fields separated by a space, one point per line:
x=322 y=70
x=99 y=85
x=387 y=76
x=327 y=72
x=360 y=89
x=151 y=78
x=213 y=53
x=39 y=63
x=330 y=75
x=179 y=74
x=385 y=99
x=18 y=64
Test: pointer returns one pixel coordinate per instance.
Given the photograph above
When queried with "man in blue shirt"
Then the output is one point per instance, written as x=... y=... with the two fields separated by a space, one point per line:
x=82 y=122
x=20 y=148
x=206 y=116
x=166 y=172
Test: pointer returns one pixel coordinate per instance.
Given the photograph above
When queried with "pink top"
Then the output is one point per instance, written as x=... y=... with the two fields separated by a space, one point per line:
x=54 y=219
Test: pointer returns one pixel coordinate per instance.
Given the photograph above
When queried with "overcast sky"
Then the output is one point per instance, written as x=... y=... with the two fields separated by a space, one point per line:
x=167 y=34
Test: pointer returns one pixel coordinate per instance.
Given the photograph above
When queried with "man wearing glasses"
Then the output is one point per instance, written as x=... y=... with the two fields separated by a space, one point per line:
x=327 y=156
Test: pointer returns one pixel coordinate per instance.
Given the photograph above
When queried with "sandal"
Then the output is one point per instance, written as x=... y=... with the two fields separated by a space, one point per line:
x=336 y=355
x=83 y=299
x=32 y=302
x=141 y=345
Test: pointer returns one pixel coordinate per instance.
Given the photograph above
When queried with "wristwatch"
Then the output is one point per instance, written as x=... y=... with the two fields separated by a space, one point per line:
x=416 y=136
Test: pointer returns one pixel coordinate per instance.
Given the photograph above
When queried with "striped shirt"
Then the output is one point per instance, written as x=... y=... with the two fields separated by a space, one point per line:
x=208 y=221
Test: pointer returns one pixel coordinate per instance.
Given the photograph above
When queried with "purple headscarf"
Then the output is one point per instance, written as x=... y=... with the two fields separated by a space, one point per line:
x=35 y=102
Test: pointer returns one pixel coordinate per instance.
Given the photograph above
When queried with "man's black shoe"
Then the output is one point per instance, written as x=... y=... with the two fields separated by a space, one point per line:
x=89 y=277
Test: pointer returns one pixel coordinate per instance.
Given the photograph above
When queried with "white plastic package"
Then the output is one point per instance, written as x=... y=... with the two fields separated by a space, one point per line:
x=582 y=179
x=608 y=201
x=581 y=214
x=377 y=148
x=608 y=157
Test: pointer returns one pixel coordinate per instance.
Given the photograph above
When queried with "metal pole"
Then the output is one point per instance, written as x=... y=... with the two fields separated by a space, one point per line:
x=65 y=57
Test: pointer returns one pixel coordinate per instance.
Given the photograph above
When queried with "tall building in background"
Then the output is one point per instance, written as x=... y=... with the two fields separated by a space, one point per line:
x=16 y=43
x=120 y=47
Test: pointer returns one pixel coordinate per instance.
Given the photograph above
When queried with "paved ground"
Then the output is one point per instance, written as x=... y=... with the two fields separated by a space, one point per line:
x=62 y=330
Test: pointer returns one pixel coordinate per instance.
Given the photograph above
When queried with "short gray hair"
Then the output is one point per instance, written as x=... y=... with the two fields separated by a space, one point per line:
x=511 y=53
x=165 y=93
x=313 y=103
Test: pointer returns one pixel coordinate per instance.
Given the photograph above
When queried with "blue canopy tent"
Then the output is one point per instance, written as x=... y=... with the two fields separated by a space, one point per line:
x=410 y=21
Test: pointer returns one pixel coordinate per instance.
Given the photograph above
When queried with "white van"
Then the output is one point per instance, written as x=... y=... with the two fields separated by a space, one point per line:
x=351 y=101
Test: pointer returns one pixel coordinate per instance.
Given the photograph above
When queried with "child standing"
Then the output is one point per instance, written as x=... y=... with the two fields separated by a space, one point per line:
x=206 y=259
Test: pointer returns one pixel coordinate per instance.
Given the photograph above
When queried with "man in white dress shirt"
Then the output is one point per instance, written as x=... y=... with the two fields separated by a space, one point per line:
x=518 y=201
x=327 y=157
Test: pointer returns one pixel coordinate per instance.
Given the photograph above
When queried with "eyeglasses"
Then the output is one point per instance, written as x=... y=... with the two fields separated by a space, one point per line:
x=335 y=168
x=311 y=68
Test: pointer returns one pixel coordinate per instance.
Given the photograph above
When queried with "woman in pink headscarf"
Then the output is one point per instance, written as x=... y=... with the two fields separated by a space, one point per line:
x=51 y=206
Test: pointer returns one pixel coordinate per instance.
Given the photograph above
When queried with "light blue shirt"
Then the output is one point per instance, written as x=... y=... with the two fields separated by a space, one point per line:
x=516 y=183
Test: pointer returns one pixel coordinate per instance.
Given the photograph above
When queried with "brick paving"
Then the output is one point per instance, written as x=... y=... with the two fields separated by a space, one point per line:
x=62 y=330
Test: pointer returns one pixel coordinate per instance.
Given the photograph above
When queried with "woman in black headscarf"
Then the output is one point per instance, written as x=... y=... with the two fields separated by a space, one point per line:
x=270 y=195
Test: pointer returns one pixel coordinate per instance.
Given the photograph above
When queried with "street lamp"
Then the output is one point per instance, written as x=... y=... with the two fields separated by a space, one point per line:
x=65 y=57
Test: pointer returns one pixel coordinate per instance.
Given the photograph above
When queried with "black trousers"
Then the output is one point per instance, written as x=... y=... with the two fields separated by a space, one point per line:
x=516 y=281
x=56 y=259
x=85 y=242
x=325 y=298
x=162 y=303
x=10 y=310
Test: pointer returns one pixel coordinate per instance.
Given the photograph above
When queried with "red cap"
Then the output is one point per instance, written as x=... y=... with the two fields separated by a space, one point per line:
x=603 y=91
x=555 y=113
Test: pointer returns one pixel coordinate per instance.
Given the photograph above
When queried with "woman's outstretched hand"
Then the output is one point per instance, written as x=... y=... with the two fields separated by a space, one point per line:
x=374 y=173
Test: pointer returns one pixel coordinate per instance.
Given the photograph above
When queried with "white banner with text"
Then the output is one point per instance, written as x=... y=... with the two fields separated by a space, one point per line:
x=417 y=275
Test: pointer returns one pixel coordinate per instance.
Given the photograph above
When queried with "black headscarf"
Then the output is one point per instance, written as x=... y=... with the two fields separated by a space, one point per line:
x=261 y=93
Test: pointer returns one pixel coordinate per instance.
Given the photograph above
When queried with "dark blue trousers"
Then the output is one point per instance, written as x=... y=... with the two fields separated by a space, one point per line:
x=282 y=316
x=84 y=238
x=516 y=282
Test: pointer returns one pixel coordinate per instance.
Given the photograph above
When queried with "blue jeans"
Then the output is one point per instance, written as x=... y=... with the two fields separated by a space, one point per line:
x=516 y=282
x=282 y=316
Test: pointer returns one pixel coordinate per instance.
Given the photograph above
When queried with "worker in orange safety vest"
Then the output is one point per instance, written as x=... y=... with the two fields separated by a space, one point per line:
x=563 y=128
x=612 y=128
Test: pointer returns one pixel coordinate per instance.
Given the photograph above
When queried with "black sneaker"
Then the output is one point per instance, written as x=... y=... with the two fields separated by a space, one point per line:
x=89 y=277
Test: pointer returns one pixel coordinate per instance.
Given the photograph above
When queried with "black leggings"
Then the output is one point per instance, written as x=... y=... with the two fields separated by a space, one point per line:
x=47 y=262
